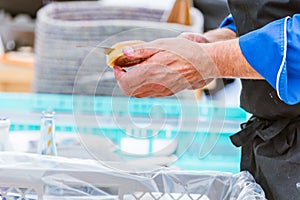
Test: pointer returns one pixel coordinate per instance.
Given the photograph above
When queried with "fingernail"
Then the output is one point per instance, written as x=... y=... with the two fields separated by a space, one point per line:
x=129 y=51
x=117 y=68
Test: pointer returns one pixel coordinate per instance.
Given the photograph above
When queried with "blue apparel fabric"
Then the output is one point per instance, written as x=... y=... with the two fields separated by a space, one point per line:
x=274 y=52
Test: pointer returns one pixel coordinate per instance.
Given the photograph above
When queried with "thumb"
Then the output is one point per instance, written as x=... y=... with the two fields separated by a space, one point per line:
x=119 y=72
x=140 y=51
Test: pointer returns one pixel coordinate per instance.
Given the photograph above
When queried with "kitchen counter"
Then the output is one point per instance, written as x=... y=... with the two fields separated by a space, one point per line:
x=151 y=129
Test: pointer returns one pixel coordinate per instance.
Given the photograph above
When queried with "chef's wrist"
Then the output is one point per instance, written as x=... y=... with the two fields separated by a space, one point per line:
x=229 y=61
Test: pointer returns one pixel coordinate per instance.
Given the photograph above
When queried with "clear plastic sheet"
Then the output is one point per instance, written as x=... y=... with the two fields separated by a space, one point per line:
x=32 y=176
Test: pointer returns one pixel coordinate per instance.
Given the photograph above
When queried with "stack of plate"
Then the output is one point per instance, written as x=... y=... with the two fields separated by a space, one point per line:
x=62 y=29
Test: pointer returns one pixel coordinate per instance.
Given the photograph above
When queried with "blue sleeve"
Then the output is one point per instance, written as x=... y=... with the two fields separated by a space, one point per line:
x=273 y=51
x=228 y=23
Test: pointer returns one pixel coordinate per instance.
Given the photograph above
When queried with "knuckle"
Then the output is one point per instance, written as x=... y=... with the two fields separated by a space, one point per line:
x=139 y=51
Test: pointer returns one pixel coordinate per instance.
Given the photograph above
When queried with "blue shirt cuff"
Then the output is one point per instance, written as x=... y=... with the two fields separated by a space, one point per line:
x=273 y=52
x=228 y=23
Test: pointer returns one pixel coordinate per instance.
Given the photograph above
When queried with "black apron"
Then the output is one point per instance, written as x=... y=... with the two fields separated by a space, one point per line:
x=270 y=140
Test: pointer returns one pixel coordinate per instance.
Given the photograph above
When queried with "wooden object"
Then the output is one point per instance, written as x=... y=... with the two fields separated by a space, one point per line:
x=180 y=13
x=16 y=72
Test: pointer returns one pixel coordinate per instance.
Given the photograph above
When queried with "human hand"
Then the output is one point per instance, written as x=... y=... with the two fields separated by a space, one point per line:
x=200 y=38
x=171 y=65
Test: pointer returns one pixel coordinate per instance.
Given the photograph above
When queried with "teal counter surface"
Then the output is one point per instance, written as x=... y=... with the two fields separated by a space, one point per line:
x=196 y=133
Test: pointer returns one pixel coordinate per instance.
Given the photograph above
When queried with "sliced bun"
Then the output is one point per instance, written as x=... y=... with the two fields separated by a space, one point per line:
x=117 y=58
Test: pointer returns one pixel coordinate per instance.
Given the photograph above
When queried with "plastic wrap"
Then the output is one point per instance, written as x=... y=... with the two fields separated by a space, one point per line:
x=31 y=176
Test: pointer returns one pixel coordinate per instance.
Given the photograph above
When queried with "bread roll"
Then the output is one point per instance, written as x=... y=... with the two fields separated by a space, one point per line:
x=117 y=58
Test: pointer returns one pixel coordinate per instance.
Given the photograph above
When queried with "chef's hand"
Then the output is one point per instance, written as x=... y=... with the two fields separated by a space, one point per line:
x=171 y=65
x=200 y=38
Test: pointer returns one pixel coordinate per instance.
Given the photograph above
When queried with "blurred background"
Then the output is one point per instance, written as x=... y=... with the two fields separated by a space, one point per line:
x=42 y=68
x=18 y=27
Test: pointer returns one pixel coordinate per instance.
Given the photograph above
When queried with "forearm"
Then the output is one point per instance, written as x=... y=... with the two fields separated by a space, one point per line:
x=229 y=60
